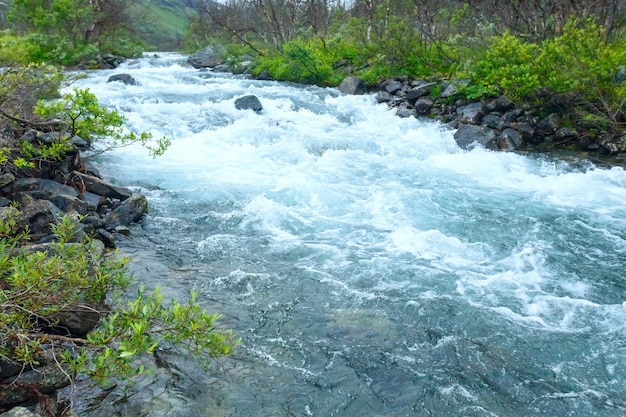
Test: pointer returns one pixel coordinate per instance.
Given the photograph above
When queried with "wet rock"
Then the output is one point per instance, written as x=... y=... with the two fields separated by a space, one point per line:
x=249 y=102
x=466 y=135
x=509 y=140
x=68 y=203
x=384 y=97
x=420 y=91
x=106 y=238
x=472 y=113
x=123 y=78
x=405 y=110
x=548 y=126
x=353 y=86
x=101 y=187
x=423 y=106
x=209 y=57
x=129 y=211
x=109 y=61
x=38 y=184
x=95 y=221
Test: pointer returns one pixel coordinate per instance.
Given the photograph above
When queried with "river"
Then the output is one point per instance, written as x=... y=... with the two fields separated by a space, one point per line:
x=370 y=266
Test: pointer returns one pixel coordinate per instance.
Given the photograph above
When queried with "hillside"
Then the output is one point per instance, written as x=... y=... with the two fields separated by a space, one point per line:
x=162 y=23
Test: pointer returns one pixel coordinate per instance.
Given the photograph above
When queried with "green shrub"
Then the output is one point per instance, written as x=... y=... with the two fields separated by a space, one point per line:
x=38 y=286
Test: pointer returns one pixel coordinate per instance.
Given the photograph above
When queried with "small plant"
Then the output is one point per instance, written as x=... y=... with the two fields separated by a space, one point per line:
x=85 y=117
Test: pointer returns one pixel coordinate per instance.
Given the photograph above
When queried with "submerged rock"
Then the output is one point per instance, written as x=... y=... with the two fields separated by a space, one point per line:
x=124 y=78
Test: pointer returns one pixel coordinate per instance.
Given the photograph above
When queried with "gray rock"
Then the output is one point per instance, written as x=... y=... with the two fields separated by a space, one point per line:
x=384 y=97
x=68 y=203
x=79 y=142
x=393 y=86
x=19 y=412
x=423 y=106
x=405 y=110
x=106 y=238
x=40 y=215
x=467 y=135
x=352 y=85
x=124 y=78
x=509 y=140
x=38 y=184
x=101 y=187
x=4 y=202
x=6 y=179
x=95 y=221
x=420 y=91
x=92 y=200
x=249 y=102
x=501 y=104
x=450 y=91
x=45 y=380
x=472 y=113
x=209 y=57
x=221 y=68
x=78 y=319
x=565 y=133
x=129 y=211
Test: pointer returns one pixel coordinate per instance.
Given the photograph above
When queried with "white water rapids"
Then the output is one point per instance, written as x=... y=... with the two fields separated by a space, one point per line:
x=370 y=266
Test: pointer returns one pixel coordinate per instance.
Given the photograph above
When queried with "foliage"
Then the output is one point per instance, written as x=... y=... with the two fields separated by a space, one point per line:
x=91 y=121
x=36 y=287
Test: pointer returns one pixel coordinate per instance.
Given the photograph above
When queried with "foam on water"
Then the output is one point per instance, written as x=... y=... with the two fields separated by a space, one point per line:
x=324 y=211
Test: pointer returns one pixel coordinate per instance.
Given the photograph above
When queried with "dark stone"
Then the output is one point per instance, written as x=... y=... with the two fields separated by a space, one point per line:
x=122 y=230
x=423 y=106
x=124 y=78
x=38 y=184
x=472 y=113
x=466 y=135
x=420 y=91
x=264 y=76
x=79 y=142
x=78 y=319
x=4 y=202
x=90 y=168
x=68 y=203
x=40 y=215
x=221 y=68
x=548 y=125
x=101 y=187
x=209 y=57
x=109 y=61
x=449 y=91
x=127 y=212
x=509 y=140
x=352 y=85
x=95 y=221
x=391 y=86
x=501 y=104
x=106 y=237
x=491 y=120
x=525 y=130
x=249 y=102
x=19 y=412
x=44 y=380
x=92 y=200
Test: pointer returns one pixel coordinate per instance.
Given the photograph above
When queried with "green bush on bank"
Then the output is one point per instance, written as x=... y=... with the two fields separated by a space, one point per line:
x=38 y=287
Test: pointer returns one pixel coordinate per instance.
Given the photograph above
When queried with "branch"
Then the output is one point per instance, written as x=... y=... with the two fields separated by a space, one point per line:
x=50 y=125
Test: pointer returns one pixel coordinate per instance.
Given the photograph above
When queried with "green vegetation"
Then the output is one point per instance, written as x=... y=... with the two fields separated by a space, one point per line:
x=38 y=288
x=535 y=54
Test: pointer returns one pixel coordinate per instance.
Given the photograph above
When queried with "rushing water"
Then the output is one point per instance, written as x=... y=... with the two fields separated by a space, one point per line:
x=371 y=267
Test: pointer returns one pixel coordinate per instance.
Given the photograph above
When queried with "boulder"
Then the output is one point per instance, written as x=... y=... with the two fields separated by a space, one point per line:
x=565 y=133
x=405 y=110
x=209 y=57
x=248 y=102
x=67 y=203
x=548 y=125
x=127 y=212
x=509 y=140
x=423 y=106
x=501 y=104
x=472 y=113
x=40 y=215
x=78 y=319
x=19 y=412
x=384 y=97
x=392 y=86
x=420 y=91
x=49 y=187
x=101 y=187
x=466 y=135
x=6 y=179
x=124 y=78
x=352 y=85
x=109 y=61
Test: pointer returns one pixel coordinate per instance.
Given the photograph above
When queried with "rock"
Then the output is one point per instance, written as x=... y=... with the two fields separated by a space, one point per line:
x=509 y=140
x=450 y=91
x=78 y=319
x=49 y=187
x=466 y=135
x=405 y=110
x=19 y=412
x=209 y=57
x=248 y=102
x=392 y=86
x=565 y=133
x=384 y=97
x=221 y=68
x=101 y=187
x=501 y=104
x=6 y=179
x=95 y=221
x=472 y=113
x=4 y=202
x=109 y=61
x=548 y=125
x=420 y=91
x=68 y=203
x=92 y=200
x=264 y=76
x=423 y=106
x=79 y=142
x=127 y=212
x=352 y=85
x=40 y=215
x=45 y=380
x=106 y=238
x=124 y=78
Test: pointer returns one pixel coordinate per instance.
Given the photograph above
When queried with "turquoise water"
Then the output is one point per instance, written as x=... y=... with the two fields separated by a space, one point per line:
x=371 y=267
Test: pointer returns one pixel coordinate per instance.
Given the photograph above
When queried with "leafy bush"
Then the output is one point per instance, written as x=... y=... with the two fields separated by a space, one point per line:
x=37 y=287
x=86 y=118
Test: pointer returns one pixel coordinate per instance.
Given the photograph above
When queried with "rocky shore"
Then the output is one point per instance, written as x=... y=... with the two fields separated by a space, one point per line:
x=44 y=195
